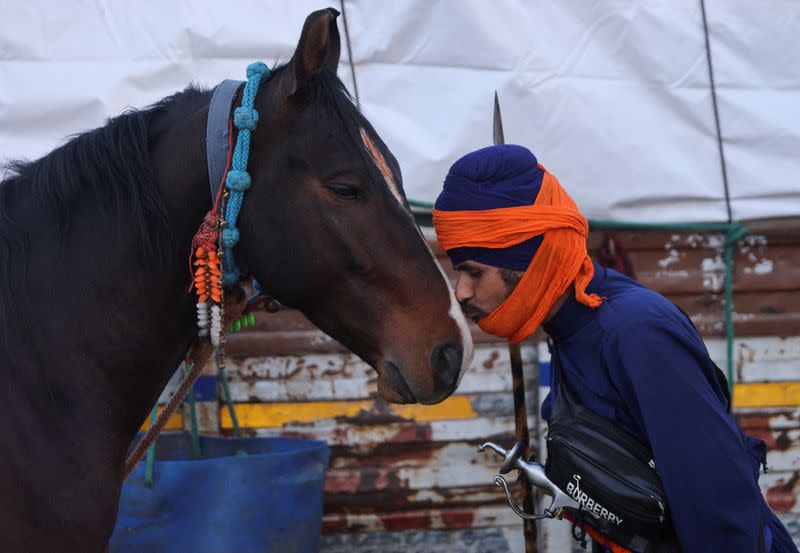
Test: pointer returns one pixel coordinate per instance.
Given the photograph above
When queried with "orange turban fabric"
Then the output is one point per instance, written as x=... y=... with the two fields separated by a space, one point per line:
x=561 y=259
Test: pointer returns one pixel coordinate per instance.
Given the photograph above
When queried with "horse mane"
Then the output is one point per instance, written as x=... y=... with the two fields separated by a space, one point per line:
x=107 y=167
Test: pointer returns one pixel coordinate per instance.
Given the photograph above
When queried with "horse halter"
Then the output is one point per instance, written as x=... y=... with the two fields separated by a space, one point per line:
x=212 y=245
x=215 y=264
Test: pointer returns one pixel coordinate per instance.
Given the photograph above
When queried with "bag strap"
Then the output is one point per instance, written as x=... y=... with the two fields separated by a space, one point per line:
x=562 y=387
x=722 y=380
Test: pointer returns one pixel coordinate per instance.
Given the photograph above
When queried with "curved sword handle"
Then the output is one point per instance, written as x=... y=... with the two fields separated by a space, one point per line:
x=500 y=481
x=511 y=456
x=535 y=474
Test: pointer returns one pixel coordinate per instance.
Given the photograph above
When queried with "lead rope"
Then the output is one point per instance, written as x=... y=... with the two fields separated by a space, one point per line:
x=195 y=436
x=198 y=356
x=212 y=250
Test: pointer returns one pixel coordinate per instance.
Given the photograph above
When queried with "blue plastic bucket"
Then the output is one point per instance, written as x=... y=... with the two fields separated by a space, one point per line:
x=269 y=500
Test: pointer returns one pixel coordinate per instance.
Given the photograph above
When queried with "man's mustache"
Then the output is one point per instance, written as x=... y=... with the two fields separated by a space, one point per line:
x=470 y=311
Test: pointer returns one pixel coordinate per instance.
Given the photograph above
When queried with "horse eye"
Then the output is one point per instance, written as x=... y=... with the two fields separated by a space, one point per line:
x=344 y=191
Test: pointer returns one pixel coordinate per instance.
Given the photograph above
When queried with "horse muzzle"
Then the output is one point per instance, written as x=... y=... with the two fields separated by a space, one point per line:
x=435 y=380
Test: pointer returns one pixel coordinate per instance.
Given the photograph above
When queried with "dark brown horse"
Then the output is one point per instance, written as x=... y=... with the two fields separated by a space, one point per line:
x=94 y=310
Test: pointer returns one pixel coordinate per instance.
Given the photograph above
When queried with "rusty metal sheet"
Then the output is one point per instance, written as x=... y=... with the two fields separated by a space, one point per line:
x=432 y=519
x=693 y=263
x=256 y=343
x=636 y=240
x=691 y=271
x=417 y=466
x=316 y=377
x=506 y=539
x=781 y=490
x=291 y=321
x=371 y=438
x=762 y=359
x=755 y=314
x=780 y=429
x=757 y=358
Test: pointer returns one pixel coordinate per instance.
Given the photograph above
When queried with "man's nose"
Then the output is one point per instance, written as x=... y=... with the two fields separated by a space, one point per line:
x=463 y=289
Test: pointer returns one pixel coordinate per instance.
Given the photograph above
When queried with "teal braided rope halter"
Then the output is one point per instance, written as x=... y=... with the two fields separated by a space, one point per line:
x=238 y=180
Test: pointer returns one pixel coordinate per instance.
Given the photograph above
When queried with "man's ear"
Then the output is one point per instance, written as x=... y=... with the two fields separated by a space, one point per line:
x=319 y=47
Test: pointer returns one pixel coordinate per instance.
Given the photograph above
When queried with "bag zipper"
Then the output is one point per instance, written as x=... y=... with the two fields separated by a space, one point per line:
x=629 y=442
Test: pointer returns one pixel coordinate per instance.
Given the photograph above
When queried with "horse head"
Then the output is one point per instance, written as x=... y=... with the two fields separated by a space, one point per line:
x=326 y=229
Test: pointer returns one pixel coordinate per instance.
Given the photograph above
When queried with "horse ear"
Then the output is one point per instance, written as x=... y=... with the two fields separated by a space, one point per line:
x=319 y=46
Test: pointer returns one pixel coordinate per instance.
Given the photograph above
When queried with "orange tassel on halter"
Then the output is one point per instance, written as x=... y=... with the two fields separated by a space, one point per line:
x=207 y=278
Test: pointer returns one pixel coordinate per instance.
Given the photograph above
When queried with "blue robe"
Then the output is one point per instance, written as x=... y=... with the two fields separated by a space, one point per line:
x=638 y=362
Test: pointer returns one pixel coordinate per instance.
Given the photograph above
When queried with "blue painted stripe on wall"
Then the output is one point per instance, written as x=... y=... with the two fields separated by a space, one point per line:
x=205 y=388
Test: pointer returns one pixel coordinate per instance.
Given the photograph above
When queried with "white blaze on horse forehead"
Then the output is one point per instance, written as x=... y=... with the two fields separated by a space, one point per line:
x=455 y=310
x=383 y=167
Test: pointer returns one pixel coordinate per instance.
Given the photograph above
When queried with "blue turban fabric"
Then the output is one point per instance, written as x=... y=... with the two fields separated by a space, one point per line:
x=499 y=176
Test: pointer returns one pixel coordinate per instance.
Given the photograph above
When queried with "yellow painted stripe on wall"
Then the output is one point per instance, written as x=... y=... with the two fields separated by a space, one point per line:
x=175 y=422
x=267 y=415
x=766 y=394
x=456 y=407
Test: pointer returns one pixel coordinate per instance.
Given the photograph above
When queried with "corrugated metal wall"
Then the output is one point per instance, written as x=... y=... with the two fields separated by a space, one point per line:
x=409 y=478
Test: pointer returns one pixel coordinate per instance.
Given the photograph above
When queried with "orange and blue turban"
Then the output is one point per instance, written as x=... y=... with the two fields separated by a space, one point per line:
x=493 y=178
x=501 y=207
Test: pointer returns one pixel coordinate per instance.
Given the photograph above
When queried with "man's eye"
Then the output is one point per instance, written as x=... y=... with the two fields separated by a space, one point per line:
x=475 y=274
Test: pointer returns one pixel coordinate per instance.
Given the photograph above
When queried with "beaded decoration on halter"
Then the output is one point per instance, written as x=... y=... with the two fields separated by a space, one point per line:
x=214 y=265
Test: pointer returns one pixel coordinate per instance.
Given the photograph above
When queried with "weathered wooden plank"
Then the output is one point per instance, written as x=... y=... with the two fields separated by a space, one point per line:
x=373 y=437
x=396 y=479
x=766 y=313
x=254 y=343
x=292 y=321
x=412 y=455
x=755 y=314
x=401 y=499
x=693 y=271
x=757 y=358
x=766 y=394
x=769 y=419
x=262 y=415
x=634 y=240
x=316 y=377
x=482 y=517
x=258 y=343
x=782 y=489
x=695 y=263
x=343 y=376
x=761 y=359
x=493 y=538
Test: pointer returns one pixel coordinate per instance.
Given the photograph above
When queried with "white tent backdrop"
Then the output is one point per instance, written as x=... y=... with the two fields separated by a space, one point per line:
x=613 y=96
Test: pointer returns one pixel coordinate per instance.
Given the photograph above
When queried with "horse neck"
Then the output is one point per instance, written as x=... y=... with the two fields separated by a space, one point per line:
x=179 y=166
x=139 y=316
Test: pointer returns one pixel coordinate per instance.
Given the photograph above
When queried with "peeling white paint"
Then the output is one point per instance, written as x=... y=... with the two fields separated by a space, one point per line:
x=673 y=257
x=763 y=267
x=713 y=273
x=672 y=274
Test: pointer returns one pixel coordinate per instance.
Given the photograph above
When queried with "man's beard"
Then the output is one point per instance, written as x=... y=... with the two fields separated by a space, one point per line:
x=472 y=312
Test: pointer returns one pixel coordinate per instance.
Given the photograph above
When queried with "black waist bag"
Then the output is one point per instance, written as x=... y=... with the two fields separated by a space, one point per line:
x=608 y=472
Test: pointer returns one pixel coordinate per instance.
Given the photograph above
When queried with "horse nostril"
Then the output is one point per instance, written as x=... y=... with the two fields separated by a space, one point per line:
x=394 y=376
x=446 y=365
